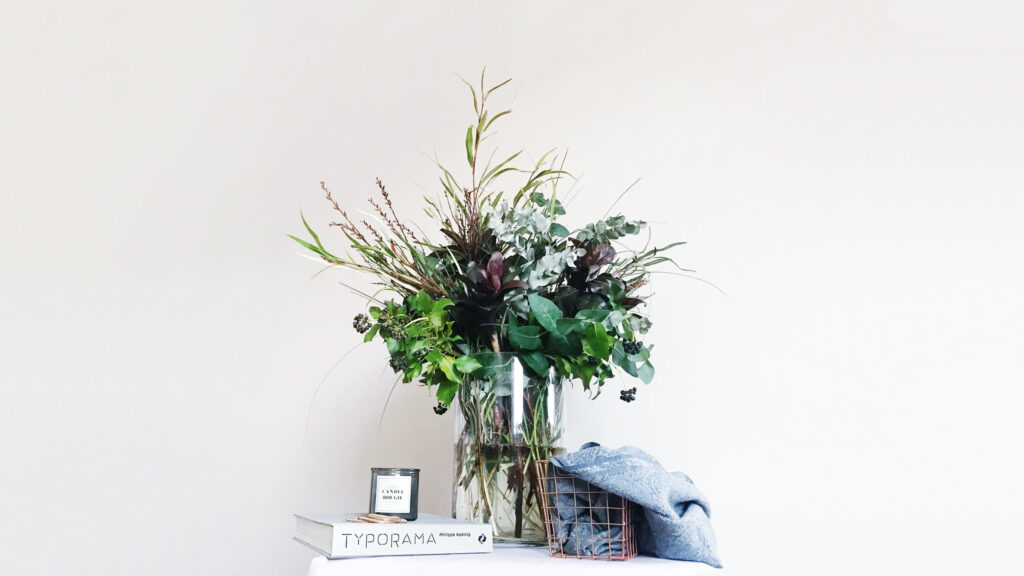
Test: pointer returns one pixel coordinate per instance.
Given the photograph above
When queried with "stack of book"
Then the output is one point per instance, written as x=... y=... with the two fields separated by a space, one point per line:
x=337 y=536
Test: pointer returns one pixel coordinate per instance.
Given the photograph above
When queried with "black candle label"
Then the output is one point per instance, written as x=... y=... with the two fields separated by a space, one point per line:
x=393 y=494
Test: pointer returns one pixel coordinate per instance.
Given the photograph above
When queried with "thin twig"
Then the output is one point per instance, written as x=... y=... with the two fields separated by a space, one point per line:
x=624 y=192
x=388 y=401
x=309 y=412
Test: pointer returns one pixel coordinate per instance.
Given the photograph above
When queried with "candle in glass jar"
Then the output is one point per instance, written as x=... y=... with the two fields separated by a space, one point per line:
x=395 y=492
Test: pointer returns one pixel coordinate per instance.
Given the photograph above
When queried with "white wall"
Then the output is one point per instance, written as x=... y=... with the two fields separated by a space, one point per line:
x=848 y=172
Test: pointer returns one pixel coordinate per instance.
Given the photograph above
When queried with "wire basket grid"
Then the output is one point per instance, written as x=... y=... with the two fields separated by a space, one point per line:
x=582 y=520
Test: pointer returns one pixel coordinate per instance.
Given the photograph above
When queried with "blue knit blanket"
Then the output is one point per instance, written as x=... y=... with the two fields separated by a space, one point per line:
x=674 y=522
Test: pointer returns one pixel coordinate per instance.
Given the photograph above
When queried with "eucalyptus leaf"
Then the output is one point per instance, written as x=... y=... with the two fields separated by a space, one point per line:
x=614 y=319
x=646 y=372
x=610 y=229
x=621 y=359
x=641 y=324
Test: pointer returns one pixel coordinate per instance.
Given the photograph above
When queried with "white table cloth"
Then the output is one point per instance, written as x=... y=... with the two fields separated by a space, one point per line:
x=507 y=559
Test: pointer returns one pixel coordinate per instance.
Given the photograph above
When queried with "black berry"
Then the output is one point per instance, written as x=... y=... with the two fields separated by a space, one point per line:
x=398 y=364
x=362 y=323
x=440 y=409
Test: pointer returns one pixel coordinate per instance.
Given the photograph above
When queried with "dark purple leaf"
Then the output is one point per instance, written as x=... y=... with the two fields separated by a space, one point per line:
x=512 y=285
x=599 y=255
x=455 y=237
x=629 y=303
x=600 y=284
x=495 y=270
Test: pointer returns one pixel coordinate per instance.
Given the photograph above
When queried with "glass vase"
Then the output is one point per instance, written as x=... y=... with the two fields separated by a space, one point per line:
x=508 y=419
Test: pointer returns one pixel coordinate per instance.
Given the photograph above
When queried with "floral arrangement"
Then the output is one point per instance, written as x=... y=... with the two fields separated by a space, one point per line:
x=505 y=275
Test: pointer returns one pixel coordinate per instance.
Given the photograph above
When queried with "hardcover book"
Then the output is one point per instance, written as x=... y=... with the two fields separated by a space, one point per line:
x=335 y=537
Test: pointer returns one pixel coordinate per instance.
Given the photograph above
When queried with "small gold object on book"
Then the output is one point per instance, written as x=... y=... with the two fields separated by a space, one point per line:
x=377 y=519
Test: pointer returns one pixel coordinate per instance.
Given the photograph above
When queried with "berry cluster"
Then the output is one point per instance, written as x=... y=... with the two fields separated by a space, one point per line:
x=391 y=327
x=440 y=409
x=362 y=323
x=398 y=364
x=628 y=396
x=632 y=346
x=593 y=360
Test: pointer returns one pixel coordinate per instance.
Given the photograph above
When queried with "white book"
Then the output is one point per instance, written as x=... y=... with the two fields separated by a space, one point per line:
x=335 y=537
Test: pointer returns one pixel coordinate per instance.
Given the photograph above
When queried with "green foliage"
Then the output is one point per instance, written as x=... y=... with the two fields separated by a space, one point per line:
x=544 y=311
x=524 y=338
x=610 y=229
x=421 y=341
x=507 y=276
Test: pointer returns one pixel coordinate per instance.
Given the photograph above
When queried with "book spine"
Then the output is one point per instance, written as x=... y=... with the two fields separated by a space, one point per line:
x=380 y=540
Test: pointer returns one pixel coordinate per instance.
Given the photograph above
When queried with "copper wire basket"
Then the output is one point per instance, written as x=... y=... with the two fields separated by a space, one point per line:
x=582 y=520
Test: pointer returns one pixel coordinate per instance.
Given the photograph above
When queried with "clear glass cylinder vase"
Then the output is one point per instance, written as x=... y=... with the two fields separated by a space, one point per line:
x=508 y=419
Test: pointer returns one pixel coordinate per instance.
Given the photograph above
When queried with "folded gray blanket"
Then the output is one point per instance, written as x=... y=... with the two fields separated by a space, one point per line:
x=674 y=522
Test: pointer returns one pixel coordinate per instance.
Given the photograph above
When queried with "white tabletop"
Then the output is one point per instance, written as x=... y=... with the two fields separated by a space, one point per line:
x=508 y=559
